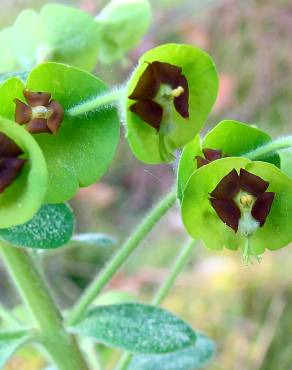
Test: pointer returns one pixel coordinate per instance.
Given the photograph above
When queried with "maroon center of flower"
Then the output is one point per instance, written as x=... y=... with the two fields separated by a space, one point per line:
x=10 y=164
x=210 y=155
x=239 y=195
x=160 y=84
x=40 y=114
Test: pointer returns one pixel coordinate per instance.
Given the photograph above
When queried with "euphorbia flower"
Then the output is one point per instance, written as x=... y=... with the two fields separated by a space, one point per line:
x=168 y=99
x=10 y=164
x=84 y=146
x=41 y=114
x=236 y=203
x=160 y=84
x=242 y=202
x=228 y=138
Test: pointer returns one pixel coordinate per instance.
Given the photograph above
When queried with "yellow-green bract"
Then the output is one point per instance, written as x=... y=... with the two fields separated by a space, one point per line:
x=202 y=222
x=23 y=198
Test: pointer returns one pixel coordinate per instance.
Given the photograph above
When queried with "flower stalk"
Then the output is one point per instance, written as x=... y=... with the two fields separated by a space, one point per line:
x=60 y=345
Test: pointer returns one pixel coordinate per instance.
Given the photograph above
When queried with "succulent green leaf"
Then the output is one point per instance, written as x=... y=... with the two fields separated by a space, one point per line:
x=192 y=358
x=26 y=38
x=118 y=28
x=23 y=198
x=69 y=36
x=136 y=328
x=234 y=138
x=95 y=239
x=85 y=145
x=202 y=222
x=201 y=75
x=51 y=227
x=9 y=344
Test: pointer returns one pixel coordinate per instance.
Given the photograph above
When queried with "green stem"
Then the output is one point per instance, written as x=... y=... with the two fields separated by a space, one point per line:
x=8 y=317
x=108 y=98
x=177 y=267
x=12 y=334
x=270 y=147
x=130 y=245
x=164 y=289
x=50 y=332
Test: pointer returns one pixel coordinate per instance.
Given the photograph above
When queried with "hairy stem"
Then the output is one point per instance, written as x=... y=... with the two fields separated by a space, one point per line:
x=50 y=332
x=270 y=147
x=8 y=317
x=164 y=289
x=130 y=245
x=108 y=98
x=177 y=267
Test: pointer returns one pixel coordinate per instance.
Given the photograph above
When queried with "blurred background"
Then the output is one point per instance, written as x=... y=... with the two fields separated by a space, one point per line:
x=247 y=310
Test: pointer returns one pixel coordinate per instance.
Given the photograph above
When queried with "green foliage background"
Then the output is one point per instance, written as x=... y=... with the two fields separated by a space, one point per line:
x=247 y=310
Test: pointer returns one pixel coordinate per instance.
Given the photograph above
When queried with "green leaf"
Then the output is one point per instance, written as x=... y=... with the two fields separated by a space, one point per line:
x=194 y=357
x=20 y=75
x=234 y=138
x=9 y=343
x=202 y=222
x=136 y=328
x=277 y=231
x=8 y=61
x=118 y=28
x=95 y=239
x=50 y=228
x=187 y=164
x=114 y=297
x=85 y=145
x=70 y=35
x=26 y=38
x=200 y=72
x=23 y=198
x=286 y=161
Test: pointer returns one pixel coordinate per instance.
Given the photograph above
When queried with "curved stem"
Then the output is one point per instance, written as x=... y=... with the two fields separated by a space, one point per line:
x=164 y=289
x=130 y=245
x=50 y=332
x=108 y=98
x=177 y=267
x=270 y=147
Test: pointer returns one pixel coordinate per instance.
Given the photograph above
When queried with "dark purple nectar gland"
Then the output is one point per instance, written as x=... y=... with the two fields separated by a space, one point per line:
x=210 y=155
x=161 y=86
x=242 y=203
x=40 y=114
x=10 y=164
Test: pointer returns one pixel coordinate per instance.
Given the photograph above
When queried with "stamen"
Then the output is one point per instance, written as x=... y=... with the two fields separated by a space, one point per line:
x=246 y=200
x=177 y=92
x=41 y=112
